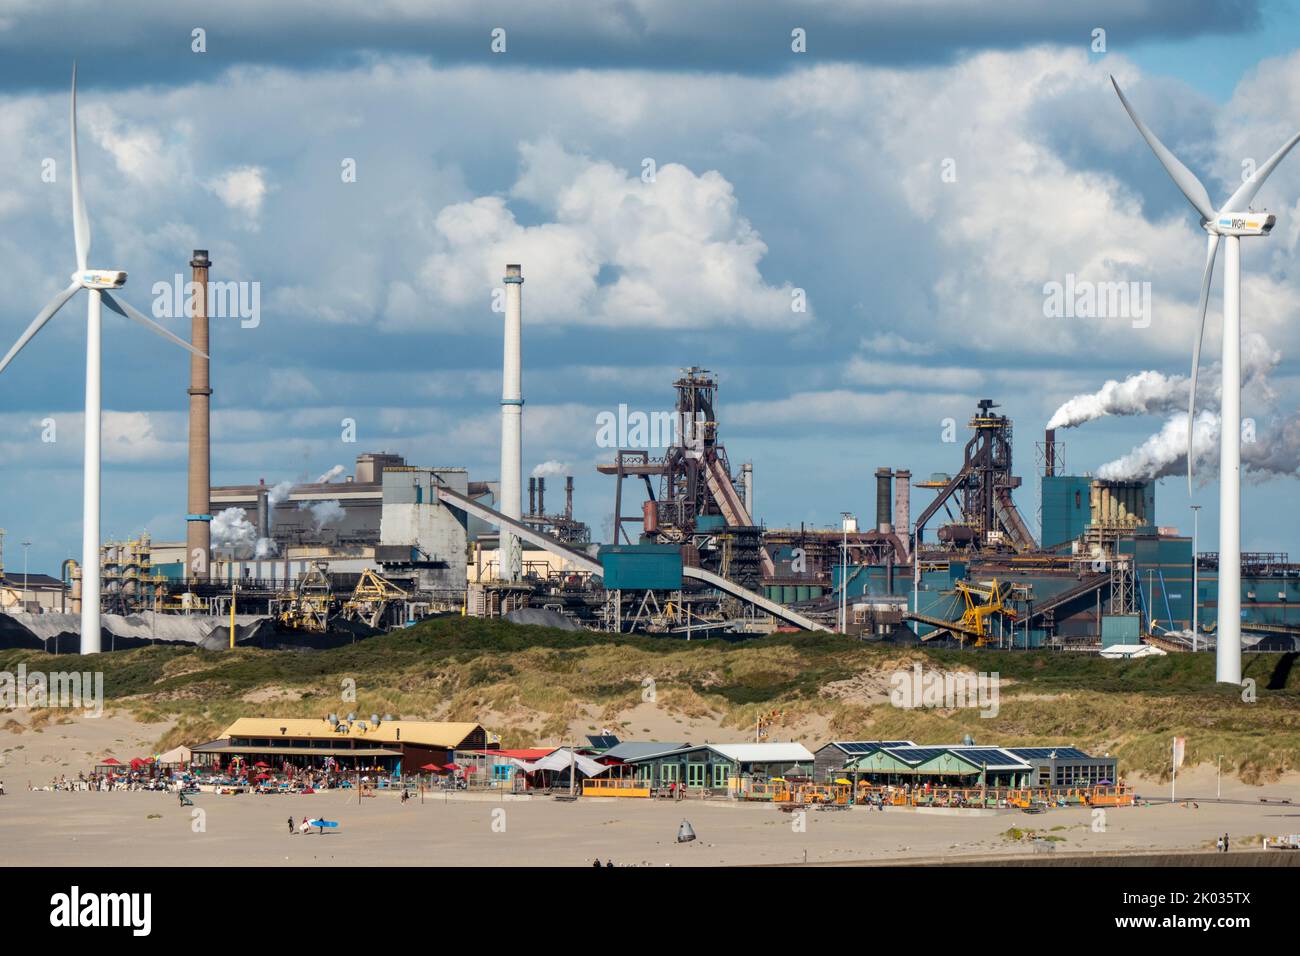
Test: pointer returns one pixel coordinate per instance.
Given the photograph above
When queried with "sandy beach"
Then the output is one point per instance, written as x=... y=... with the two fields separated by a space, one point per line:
x=42 y=827
x=130 y=829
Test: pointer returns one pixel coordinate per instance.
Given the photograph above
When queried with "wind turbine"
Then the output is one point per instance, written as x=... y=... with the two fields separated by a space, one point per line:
x=1229 y=222
x=96 y=282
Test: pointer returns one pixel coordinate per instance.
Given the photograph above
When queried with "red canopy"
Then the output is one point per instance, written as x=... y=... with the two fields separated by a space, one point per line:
x=261 y=763
x=138 y=762
x=452 y=766
x=113 y=761
x=431 y=766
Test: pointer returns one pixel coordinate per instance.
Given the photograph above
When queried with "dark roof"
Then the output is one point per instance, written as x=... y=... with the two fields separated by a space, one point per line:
x=602 y=741
x=1046 y=753
x=15 y=580
x=859 y=747
x=635 y=749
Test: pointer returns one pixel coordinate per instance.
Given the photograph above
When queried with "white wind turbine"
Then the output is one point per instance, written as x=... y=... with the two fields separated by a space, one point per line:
x=97 y=282
x=1230 y=222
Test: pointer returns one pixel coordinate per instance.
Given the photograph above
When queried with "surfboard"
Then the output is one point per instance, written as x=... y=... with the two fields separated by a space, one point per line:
x=322 y=823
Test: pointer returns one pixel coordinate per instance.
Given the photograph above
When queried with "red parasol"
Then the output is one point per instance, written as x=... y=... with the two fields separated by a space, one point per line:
x=452 y=766
x=261 y=763
x=431 y=766
x=112 y=761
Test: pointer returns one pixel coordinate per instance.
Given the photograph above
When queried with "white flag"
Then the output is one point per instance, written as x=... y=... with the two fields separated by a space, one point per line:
x=1180 y=745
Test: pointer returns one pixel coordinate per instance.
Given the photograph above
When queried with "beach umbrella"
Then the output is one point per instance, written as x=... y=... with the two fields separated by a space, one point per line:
x=452 y=766
x=843 y=781
x=112 y=761
x=261 y=763
x=432 y=767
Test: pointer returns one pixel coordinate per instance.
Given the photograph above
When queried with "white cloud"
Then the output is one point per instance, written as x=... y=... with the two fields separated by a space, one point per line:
x=676 y=250
x=242 y=190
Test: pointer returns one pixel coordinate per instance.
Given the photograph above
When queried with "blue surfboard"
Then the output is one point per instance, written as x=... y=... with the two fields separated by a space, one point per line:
x=322 y=823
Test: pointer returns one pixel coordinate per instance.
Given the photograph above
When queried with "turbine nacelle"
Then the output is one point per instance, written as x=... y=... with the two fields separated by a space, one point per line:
x=99 y=278
x=1240 y=224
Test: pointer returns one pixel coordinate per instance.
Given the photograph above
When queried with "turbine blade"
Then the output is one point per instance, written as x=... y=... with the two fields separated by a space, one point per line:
x=1211 y=250
x=80 y=221
x=125 y=309
x=1246 y=191
x=1183 y=177
x=44 y=316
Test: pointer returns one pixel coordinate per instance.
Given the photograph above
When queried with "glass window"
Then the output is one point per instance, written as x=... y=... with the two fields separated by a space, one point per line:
x=720 y=774
x=669 y=772
x=695 y=775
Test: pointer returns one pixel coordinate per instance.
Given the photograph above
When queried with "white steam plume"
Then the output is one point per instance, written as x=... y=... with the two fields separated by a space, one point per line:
x=232 y=529
x=330 y=475
x=322 y=512
x=551 y=468
x=279 y=492
x=1154 y=393
x=1271 y=452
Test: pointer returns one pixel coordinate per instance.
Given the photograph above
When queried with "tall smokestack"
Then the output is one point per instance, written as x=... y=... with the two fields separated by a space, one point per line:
x=532 y=495
x=198 y=522
x=263 y=510
x=512 y=409
x=568 y=497
x=1049 y=453
x=903 y=506
x=541 y=496
x=747 y=475
x=883 y=493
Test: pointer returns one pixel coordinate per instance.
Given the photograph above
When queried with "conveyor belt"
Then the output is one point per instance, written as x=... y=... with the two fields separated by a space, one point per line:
x=580 y=559
x=735 y=590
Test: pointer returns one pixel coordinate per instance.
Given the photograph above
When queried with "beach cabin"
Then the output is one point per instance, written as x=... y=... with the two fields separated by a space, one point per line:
x=713 y=766
x=376 y=745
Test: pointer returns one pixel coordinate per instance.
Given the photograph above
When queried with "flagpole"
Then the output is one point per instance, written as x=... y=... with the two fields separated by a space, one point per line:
x=1173 y=781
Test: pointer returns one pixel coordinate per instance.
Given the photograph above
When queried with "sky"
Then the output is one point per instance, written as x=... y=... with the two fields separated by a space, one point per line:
x=857 y=239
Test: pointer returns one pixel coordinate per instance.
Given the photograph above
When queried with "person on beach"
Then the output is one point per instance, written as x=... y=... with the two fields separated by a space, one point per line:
x=291 y=826
x=1218 y=845
x=1225 y=843
x=305 y=826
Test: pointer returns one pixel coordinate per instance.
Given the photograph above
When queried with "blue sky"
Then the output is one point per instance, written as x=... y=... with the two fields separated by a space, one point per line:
x=775 y=172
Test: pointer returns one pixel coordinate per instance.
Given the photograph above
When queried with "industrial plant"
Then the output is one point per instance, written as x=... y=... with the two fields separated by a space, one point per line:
x=948 y=559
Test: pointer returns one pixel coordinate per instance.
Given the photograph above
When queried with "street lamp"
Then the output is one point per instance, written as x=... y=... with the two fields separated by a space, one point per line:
x=1196 y=581
x=844 y=572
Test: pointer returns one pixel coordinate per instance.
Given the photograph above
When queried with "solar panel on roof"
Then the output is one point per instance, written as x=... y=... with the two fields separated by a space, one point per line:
x=603 y=741
x=915 y=754
x=867 y=746
x=1045 y=753
x=991 y=756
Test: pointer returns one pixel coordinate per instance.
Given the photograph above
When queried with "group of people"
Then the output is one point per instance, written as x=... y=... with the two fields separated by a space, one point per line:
x=127 y=780
x=1221 y=844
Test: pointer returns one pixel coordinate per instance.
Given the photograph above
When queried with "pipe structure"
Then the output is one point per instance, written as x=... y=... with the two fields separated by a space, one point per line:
x=568 y=497
x=263 y=510
x=532 y=496
x=883 y=494
x=512 y=410
x=903 y=506
x=1049 y=453
x=747 y=474
x=198 y=520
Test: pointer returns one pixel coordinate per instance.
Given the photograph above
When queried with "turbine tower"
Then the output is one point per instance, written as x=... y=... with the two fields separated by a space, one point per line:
x=1228 y=223
x=510 y=555
x=96 y=282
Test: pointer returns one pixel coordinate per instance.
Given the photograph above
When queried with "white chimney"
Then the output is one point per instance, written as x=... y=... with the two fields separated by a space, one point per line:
x=512 y=408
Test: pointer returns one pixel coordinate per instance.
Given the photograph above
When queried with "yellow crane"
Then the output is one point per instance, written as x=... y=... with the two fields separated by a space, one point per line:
x=371 y=597
x=983 y=601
